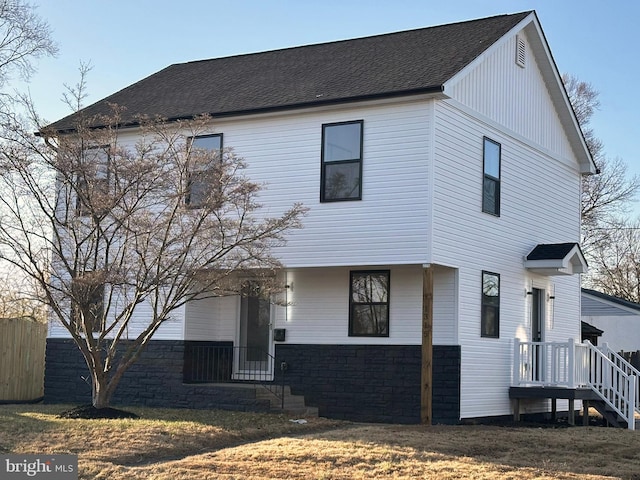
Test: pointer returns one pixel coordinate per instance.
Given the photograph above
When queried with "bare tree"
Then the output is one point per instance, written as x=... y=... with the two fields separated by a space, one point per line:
x=24 y=37
x=608 y=195
x=108 y=228
x=616 y=267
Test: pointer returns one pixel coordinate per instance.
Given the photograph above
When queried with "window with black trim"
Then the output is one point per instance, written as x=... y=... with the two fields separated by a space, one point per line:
x=87 y=304
x=490 y=322
x=491 y=179
x=369 y=304
x=204 y=168
x=92 y=180
x=341 y=176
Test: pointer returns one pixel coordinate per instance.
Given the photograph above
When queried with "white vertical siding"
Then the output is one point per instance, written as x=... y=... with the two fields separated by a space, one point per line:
x=514 y=97
x=539 y=204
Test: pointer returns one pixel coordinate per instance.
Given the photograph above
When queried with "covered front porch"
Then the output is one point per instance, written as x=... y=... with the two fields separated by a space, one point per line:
x=597 y=376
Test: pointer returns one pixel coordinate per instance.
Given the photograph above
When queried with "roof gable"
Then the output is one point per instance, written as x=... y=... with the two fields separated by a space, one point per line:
x=556 y=259
x=528 y=31
x=402 y=63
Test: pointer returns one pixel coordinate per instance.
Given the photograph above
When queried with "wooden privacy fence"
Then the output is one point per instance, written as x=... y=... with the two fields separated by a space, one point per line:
x=22 y=347
x=632 y=357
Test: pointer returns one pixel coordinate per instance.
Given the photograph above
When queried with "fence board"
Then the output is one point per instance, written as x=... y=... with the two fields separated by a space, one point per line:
x=22 y=347
x=632 y=357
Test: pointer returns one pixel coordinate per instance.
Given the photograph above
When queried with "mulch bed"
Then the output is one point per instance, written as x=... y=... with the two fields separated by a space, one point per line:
x=91 y=412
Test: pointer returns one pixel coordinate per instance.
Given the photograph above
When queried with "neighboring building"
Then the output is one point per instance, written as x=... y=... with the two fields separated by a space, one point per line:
x=618 y=319
x=442 y=163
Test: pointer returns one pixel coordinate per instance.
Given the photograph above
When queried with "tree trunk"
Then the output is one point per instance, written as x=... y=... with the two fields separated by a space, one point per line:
x=100 y=391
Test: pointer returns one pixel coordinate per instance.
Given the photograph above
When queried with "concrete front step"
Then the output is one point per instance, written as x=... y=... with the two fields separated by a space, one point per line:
x=293 y=404
x=260 y=397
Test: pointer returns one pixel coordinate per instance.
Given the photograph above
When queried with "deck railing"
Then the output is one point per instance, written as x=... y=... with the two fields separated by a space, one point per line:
x=574 y=365
x=625 y=366
x=215 y=363
x=547 y=363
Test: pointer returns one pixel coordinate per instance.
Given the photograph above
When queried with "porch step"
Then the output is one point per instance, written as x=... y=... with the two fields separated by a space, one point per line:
x=609 y=414
x=293 y=404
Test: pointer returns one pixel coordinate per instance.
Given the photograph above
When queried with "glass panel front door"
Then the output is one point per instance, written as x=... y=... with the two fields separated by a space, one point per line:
x=255 y=331
x=537 y=322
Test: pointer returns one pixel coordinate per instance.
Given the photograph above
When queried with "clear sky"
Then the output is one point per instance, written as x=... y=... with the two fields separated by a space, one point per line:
x=127 y=40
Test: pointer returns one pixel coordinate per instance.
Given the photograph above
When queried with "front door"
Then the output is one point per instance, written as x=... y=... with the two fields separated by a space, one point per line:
x=254 y=357
x=537 y=324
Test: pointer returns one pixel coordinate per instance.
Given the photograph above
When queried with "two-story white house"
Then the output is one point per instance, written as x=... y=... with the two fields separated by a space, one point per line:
x=442 y=171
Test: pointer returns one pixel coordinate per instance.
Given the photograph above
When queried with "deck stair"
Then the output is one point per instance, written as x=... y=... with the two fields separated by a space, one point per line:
x=596 y=375
x=609 y=414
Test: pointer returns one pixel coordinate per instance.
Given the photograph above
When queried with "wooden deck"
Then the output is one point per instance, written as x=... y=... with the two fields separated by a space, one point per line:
x=553 y=393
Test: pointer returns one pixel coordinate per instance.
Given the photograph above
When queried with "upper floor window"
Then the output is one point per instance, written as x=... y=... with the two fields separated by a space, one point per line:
x=92 y=187
x=490 y=321
x=341 y=176
x=87 y=304
x=491 y=179
x=205 y=155
x=369 y=304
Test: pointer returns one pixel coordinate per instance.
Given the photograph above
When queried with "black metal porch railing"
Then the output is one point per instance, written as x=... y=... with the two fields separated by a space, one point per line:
x=221 y=362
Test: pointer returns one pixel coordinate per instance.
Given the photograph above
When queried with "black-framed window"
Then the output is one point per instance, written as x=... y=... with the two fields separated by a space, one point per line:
x=369 y=303
x=87 y=302
x=93 y=181
x=490 y=322
x=492 y=159
x=341 y=175
x=204 y=168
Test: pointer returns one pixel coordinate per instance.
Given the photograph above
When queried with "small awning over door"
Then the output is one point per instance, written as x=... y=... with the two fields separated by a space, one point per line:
x=556 y=259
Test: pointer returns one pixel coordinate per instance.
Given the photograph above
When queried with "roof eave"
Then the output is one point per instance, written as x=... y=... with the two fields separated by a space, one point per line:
x=567 y=115
x=437 y=91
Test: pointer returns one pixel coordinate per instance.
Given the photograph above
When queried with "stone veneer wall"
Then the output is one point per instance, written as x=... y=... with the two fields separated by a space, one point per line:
x=372 y=383
x=155 y=380
x=368 y=383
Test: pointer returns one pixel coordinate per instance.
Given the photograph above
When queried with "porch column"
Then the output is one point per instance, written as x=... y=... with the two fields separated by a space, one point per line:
x=426 y=390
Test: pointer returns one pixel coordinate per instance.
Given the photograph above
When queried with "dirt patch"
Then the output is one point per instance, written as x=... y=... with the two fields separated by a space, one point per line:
x=538 y=422
x=91 y=412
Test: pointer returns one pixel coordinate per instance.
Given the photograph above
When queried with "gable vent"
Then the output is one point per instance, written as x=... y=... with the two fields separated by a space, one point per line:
x=521 y=51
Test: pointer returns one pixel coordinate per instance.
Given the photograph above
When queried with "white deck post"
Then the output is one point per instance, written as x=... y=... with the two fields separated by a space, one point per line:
x=571 y=367
x=631 y=403
x=606 y=370
x=516 y=362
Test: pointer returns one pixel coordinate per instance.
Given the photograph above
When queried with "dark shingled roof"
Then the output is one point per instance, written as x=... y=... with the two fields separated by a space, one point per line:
x=551 y=251
x=612 y=299
x=588 y=329
x=395 y=64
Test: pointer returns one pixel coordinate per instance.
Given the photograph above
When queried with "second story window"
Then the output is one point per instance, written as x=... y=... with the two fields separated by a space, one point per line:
x=87 y=304
x=491 y=179
x=205 y=154
x=93 y=181
x=341 y=176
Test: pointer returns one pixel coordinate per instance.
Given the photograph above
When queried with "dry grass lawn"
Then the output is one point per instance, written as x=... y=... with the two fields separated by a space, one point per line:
x=188 y=444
